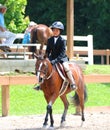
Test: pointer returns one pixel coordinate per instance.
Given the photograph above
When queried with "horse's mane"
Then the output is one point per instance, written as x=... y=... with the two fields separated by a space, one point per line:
x=41 y=56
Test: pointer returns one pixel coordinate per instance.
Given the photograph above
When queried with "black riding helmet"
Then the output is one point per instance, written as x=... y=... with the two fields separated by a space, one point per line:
x=58 y=25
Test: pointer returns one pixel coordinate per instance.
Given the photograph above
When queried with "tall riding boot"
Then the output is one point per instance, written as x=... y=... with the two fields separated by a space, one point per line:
x=72 y=82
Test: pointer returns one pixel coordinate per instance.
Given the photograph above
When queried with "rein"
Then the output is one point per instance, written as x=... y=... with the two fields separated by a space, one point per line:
x=50 y=75
x=46 y=78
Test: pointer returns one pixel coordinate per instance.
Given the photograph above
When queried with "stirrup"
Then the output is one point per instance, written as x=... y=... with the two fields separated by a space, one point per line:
x=73 y=87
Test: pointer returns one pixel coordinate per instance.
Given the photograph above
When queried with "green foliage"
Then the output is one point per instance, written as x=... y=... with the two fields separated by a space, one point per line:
x=93 y=17
x=14 y=17
x=90 y=17
x=46 y=12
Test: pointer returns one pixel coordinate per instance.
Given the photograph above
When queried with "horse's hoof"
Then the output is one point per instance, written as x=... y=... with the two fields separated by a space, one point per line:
x=45 y=127
x=62 y=124
x=51 y=128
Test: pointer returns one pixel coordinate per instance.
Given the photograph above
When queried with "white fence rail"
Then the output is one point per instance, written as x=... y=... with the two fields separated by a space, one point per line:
x=88 y=47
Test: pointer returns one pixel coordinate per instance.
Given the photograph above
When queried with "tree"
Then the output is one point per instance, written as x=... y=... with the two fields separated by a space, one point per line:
x=46 y=11
x=93 y=17
x=15 y=16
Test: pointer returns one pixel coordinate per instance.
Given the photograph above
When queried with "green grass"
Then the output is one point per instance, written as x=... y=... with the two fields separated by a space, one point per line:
x=97 y=69
x=26 y=101
x=98 y=94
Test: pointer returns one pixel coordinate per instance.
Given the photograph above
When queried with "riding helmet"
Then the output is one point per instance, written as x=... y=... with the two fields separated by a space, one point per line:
x=58 y=25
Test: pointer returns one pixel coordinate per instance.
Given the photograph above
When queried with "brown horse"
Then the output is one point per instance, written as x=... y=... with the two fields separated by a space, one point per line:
x=40 y=34
x=51 y=84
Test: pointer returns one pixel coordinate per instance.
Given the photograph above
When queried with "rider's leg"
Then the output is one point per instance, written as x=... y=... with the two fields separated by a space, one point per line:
x=69 y=74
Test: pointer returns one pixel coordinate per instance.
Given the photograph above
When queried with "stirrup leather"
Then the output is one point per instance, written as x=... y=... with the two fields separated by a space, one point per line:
x=64 y=87
x=65 y=82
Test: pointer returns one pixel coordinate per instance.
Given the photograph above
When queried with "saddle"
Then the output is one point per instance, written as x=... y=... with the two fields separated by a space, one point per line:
x=62 y=73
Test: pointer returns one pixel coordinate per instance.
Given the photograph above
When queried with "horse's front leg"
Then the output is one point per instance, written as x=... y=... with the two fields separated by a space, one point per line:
x=49 y=108
x=49 y=112
x=46 y=120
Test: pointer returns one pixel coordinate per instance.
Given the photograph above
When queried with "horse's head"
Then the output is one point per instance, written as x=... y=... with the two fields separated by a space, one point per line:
x=43 y=68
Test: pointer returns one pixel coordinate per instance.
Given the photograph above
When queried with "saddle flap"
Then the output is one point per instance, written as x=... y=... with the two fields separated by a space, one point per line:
x=61 y=70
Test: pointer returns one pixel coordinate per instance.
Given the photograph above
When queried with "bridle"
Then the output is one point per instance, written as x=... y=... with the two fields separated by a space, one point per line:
x=45 y=71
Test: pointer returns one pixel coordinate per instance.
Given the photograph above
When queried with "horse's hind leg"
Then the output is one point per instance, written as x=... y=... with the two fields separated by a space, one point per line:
x=82 y=109
x=82 y=95
x=41 y=48
x=66 y=105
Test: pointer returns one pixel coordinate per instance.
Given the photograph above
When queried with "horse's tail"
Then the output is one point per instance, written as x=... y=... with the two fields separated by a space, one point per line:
x=34 y=35
x=75 y=99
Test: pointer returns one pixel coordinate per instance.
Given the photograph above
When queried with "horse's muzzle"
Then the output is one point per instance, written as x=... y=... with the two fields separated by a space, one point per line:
x=41 y=79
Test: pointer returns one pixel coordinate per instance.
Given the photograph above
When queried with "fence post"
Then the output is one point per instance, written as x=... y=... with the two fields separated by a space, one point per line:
x=90 y=51
x=5 y=100
x=102 y=60
x=107 y=56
